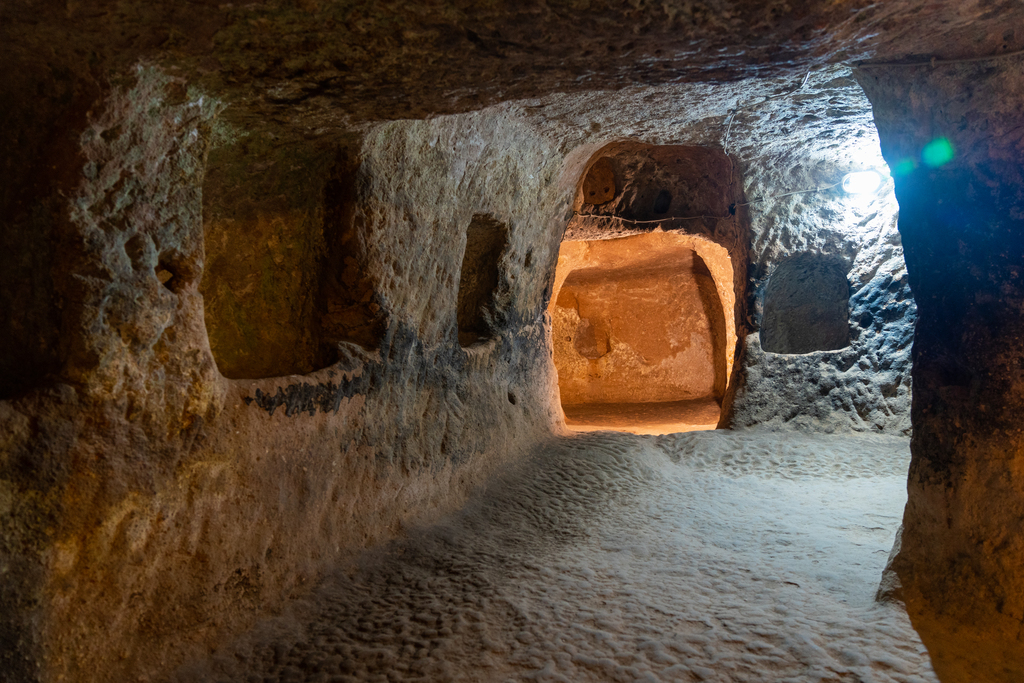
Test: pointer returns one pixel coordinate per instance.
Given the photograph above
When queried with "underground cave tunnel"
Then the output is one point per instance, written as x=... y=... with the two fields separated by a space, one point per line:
x=410 y=230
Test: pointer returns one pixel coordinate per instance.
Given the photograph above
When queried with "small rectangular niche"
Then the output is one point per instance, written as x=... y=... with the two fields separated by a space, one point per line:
x=806 y=306
x=286 y=274
x=479 y=279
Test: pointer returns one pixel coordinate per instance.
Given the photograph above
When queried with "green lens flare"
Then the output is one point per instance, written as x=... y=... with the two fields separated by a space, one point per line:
x=904 y=167
x=938 y=152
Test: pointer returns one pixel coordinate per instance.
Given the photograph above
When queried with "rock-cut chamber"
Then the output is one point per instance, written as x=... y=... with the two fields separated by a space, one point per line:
x=641 y=338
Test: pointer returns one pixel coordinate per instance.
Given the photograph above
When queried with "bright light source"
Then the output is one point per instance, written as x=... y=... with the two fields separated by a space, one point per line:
x=861 y=182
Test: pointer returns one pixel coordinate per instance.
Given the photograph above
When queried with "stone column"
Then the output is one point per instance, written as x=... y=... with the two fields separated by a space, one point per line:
x=953 y=135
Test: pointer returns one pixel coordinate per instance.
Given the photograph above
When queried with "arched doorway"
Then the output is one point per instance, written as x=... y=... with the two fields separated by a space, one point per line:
x=640 y=336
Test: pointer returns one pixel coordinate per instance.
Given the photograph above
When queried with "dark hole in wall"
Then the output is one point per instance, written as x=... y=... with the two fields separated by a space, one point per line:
x=137 y=248
x=348 y=301
x=806 y=306
x=662 y=202
x=599 y=183
x=286 y=275
x=646 y=182
x=165 y=276
x=174 y=271
x=486 y=240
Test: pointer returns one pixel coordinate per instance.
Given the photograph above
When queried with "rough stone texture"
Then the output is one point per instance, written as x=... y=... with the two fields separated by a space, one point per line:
x=682 y=578
x=195 y=500
x=962 y=549
x=806 y=306
x=866 y=385
x=137 y=383
x=149 y=507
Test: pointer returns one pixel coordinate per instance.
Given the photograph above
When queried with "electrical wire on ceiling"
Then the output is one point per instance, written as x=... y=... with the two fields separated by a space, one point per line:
x=732 y=209
x=651 y=222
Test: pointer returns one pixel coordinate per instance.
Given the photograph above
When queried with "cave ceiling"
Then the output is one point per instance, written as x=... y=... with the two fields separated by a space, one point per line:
x=309 y=67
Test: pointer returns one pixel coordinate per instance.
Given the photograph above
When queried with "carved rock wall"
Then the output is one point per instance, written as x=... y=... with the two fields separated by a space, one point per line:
x=956 y=134
x=791 y=141
x=794 y=162
x=149 y=505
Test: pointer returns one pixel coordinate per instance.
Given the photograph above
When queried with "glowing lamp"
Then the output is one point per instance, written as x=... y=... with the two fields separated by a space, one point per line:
x=861 y=182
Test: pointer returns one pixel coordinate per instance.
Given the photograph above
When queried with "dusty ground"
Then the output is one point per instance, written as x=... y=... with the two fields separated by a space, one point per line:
x=707 y=556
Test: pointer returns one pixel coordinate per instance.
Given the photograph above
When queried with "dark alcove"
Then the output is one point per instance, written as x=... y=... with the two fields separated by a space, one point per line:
x=486 y=240
x=286 y=270
x=806 y=306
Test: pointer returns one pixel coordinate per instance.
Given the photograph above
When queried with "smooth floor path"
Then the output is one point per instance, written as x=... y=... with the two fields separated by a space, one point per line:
x=708 y=556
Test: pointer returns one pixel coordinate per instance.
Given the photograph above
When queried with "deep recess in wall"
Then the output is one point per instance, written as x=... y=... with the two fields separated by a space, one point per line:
x=639 y=334
x=347 y=297
x=806 y=306
x=642 y=182
x=286 y=276
x=644 y=313
x=486 y=240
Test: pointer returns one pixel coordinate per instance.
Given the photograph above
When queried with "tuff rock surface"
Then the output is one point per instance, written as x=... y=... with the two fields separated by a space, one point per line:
x=961 y=553
x=231 y=255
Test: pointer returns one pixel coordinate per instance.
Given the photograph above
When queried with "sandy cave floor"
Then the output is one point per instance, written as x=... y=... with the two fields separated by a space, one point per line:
x=706 y=556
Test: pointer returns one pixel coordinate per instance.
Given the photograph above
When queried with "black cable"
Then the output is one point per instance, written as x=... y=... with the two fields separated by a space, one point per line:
x=787 y=194
x=659 y=220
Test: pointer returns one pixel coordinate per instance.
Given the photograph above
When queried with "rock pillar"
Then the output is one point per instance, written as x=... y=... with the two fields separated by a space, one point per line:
x=953 y=134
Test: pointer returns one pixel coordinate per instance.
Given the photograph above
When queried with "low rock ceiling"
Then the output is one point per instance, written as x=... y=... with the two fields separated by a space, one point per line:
x=313 y=65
